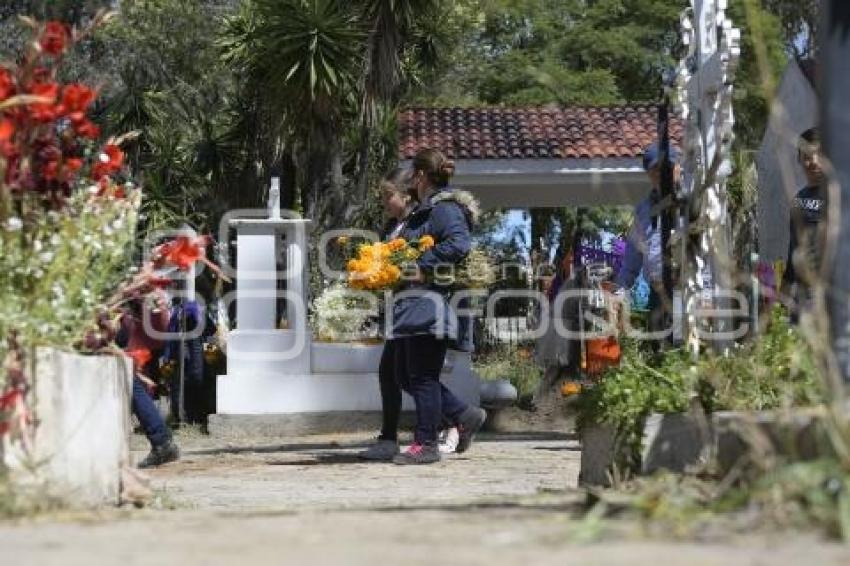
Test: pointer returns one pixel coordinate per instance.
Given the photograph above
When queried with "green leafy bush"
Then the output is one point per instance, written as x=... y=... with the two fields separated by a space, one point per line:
x=776 y=370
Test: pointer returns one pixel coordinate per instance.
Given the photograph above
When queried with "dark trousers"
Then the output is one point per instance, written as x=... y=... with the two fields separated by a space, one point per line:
x=390 y=392
x=148 y=415
x=418 y=363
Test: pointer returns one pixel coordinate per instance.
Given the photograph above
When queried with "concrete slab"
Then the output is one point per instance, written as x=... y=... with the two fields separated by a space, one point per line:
x=81 y=406
x=675 y=442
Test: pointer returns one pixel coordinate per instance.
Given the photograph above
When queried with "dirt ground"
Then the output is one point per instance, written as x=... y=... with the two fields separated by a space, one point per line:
x=511 y=500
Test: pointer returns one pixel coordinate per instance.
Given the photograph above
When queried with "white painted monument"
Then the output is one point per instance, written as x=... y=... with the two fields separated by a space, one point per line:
x=276 y=369
x=705 y=86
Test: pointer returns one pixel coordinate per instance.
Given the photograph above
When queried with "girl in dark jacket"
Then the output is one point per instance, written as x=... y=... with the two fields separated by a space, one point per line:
x=423 y=323
x=398 y=205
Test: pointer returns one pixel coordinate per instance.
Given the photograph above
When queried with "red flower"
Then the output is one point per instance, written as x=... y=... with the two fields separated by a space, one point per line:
x=103 y=185
x=140 y=357
x=73 y=164
x=109 y=162
x=107 y=188
x=69 y=168
x=7 y=84
x=160 y=282
x=76 y=98
x=8 y=149
x=87 y=129
x=44 y=111
x=50 y=170
x=55 y=38
x=183 y=251
x=7 y=129
x=9 y=399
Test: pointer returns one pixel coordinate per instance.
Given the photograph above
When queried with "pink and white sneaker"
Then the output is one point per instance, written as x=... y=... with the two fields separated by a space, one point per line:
x=418 y=454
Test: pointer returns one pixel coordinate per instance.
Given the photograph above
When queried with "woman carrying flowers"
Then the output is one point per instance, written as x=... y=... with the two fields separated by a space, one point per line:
x=397 y=205
x=423 y=323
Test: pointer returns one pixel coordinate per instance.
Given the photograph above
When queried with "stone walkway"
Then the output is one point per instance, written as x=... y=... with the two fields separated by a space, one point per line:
x=325 y=473
x=511 y=500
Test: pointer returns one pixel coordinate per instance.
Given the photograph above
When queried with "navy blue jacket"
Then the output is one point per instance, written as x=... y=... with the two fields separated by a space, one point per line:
x=423 y=308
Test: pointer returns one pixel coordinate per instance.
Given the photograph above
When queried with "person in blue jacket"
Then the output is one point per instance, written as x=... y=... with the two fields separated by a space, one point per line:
x=423 y=324
x=643 y=243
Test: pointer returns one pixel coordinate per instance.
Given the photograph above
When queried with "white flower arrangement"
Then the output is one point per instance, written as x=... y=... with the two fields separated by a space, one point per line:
x=341 y=314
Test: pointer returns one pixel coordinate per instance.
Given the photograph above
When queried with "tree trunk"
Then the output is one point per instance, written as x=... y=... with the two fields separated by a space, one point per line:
x=322 y=198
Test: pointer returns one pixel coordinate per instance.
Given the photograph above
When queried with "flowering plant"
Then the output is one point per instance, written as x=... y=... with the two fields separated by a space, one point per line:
x=67 y=214
x=380 y=265
x=340 y=314
x=476 y=271
x=67 y=219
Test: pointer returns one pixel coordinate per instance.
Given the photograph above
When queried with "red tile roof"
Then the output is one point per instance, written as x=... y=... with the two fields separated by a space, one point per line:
x=531 y=132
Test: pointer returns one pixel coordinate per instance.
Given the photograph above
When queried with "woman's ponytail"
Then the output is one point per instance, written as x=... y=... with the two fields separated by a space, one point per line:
x=436 y=166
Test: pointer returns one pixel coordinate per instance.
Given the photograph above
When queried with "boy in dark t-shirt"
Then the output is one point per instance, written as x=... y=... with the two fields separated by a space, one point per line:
x=808 y=210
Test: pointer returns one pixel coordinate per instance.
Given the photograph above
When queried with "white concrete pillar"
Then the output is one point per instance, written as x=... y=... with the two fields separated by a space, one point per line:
x=297 y=272
x=256 y=301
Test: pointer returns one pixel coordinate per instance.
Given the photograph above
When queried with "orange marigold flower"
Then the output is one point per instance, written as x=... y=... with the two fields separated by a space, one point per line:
x=570 y=388
x=426 y=242
x=55 y=37
x=394 y=272
x=396 y=244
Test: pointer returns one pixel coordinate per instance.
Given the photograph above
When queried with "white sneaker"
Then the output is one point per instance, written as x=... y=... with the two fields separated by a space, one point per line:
x=449 y=439
x=381 y=450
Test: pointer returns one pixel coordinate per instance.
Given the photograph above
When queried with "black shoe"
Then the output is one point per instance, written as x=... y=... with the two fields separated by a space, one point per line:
x=159 y=455
x=470 y=423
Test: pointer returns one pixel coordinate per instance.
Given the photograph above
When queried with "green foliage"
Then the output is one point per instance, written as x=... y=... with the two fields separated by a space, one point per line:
x=57 y=270
x=308 y=52
x=560 y=51
x=800 y=21
x=644 y=383
x=793 y=496
x=778 y=370
x=17 y=502
x=633 y=39
x=763 y=59
x=170 y=87
x=516 y=364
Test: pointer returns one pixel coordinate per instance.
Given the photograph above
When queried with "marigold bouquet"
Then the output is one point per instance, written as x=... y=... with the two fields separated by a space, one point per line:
x=380 y=265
